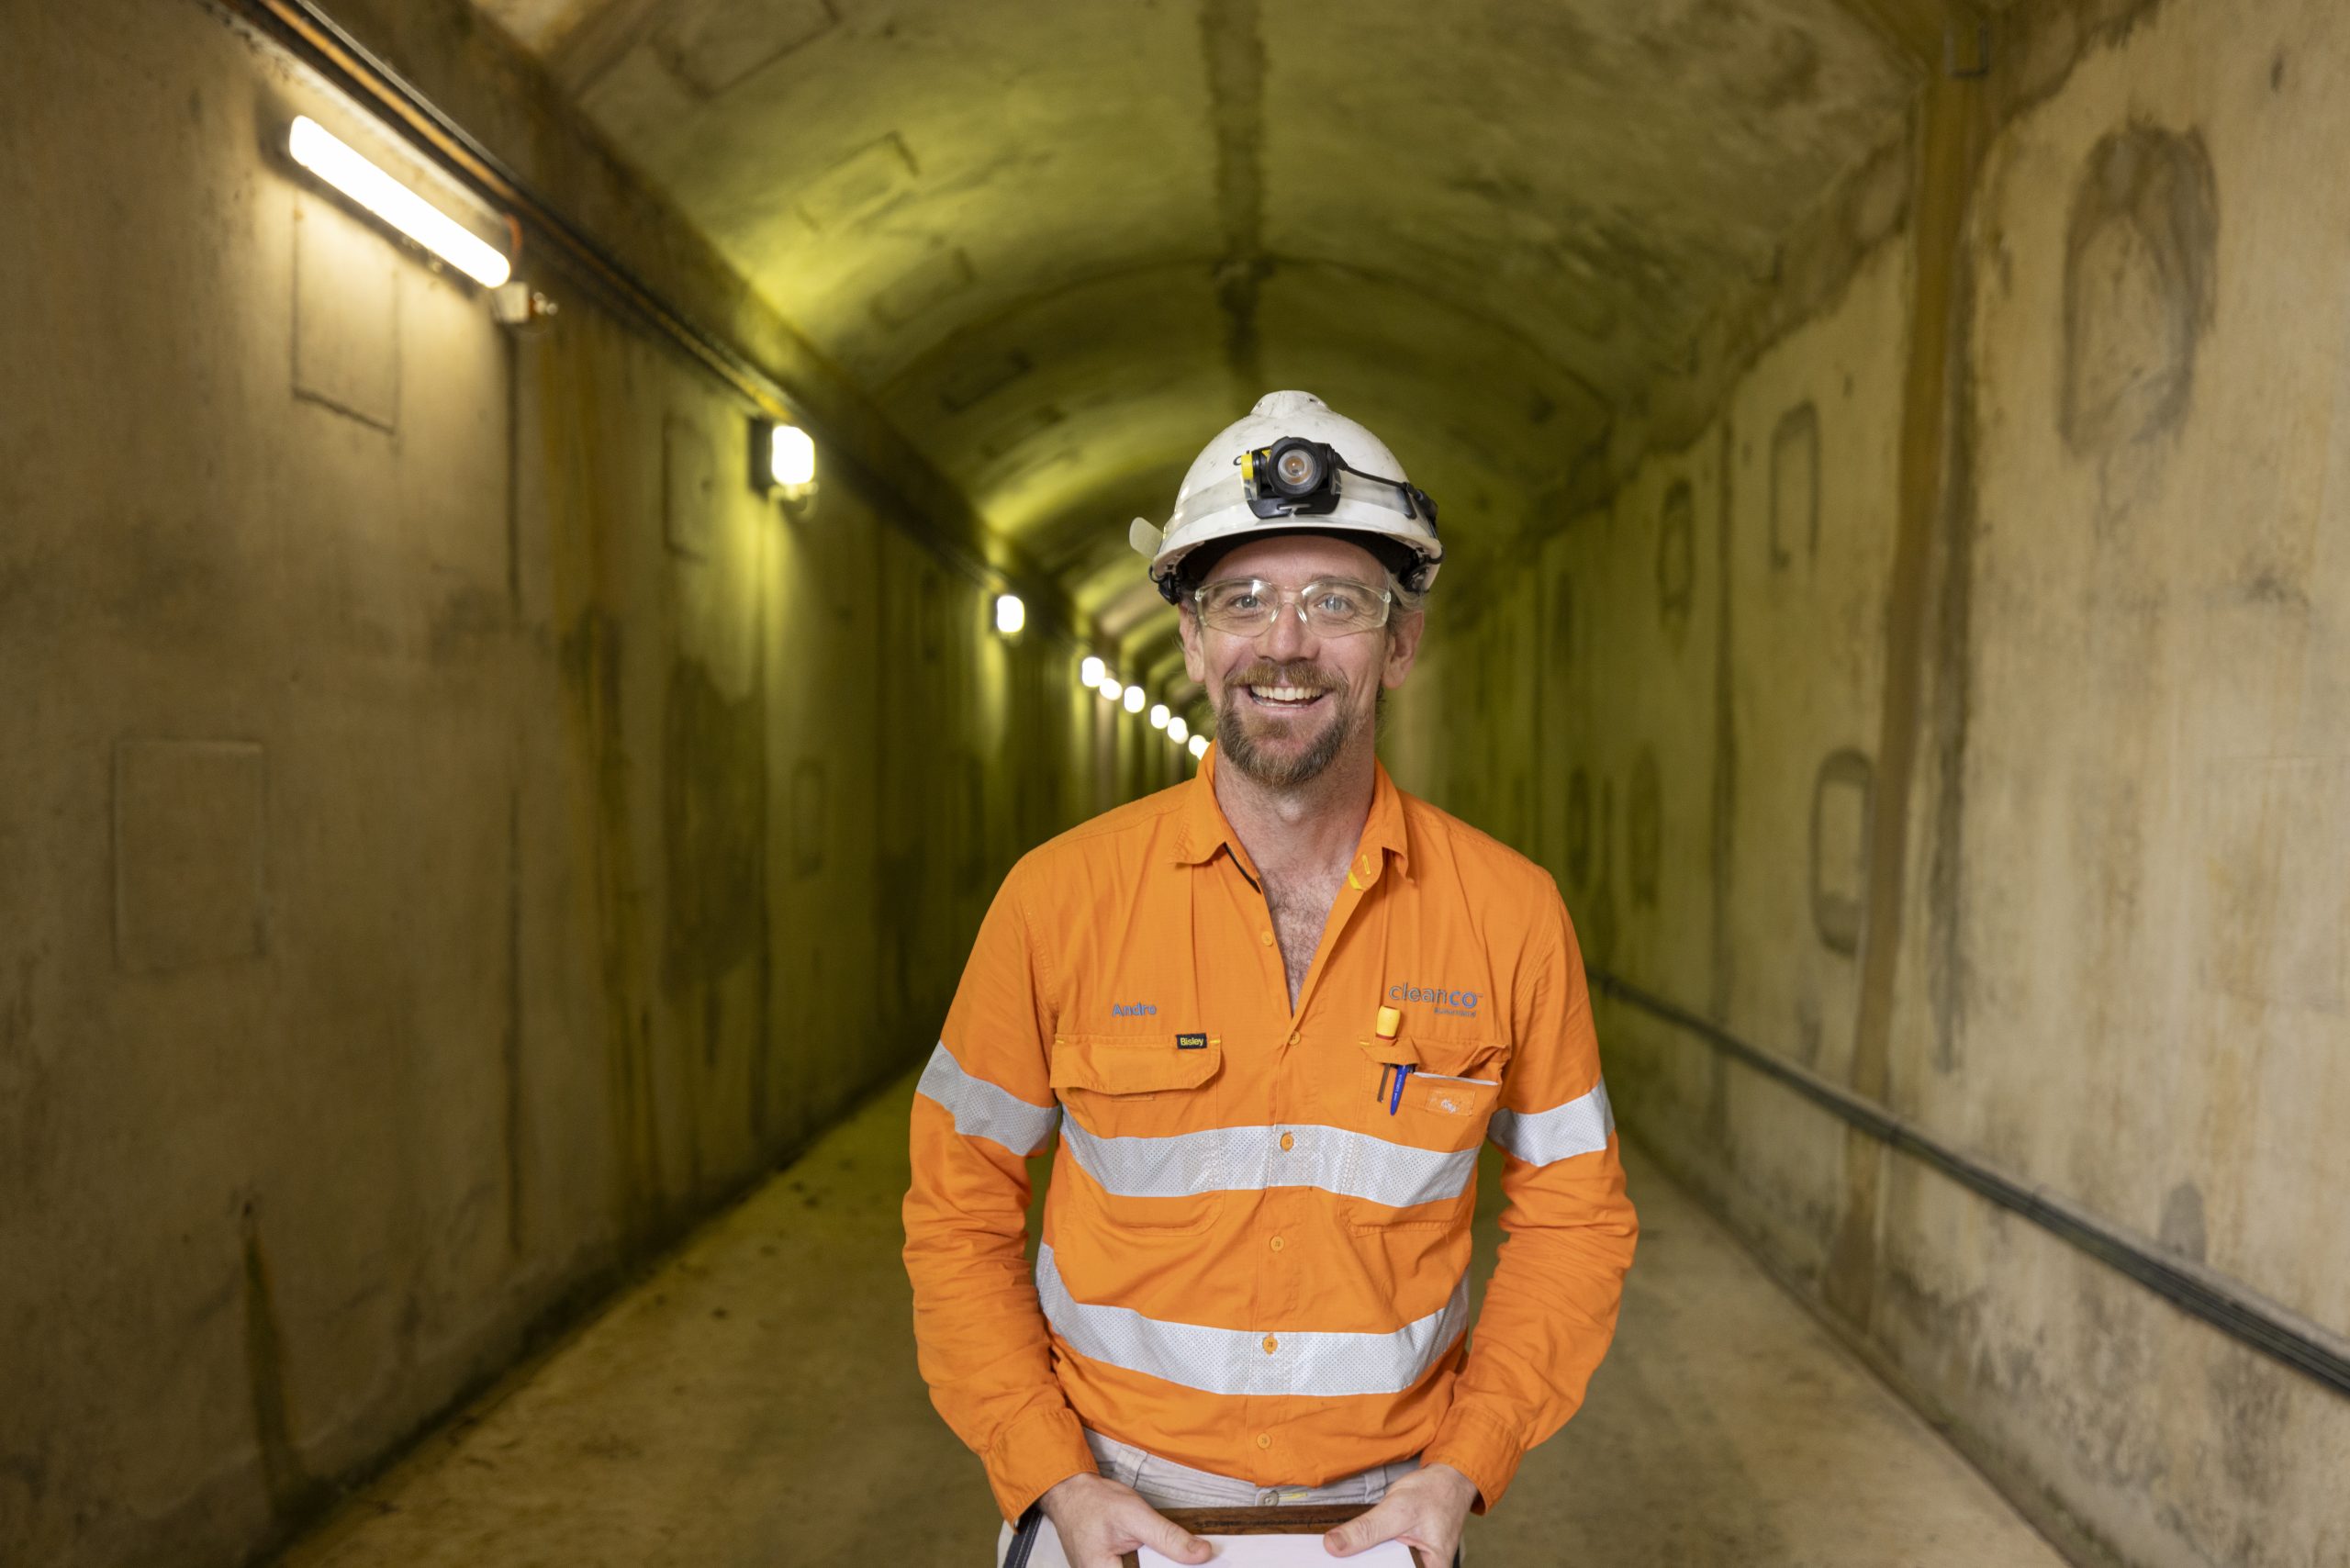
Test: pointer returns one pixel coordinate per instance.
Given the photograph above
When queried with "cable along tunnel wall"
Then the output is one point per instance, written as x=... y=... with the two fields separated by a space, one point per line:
x=2116 y=969
x=459 y=831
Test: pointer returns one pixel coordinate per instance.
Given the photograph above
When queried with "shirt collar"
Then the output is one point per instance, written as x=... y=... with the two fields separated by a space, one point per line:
x=1204 y=828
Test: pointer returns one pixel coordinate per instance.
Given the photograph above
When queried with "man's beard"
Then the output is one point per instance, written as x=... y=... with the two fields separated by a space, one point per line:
x=1283 y=770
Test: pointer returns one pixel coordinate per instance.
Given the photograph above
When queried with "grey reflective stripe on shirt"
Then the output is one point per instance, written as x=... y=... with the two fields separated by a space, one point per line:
x=1235 y=1361
x=1223 y=1160
x=982 y=1109
x=1538 y=1137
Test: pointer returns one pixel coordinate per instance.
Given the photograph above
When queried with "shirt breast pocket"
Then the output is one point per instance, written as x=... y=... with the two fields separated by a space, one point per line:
x=1426 y=1127
x=1140 y=1125
x=1445 y=1100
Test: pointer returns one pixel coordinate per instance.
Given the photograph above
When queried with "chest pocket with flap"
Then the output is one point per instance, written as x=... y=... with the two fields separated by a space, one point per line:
x=1447 y=1098
x=1112 y=1080
x=1141 y=1124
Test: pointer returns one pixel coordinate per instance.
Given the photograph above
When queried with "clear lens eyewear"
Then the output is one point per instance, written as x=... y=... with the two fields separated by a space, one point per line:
x=1330 y=607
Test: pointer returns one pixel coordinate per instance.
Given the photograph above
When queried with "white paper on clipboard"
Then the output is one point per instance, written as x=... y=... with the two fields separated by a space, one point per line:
x=1284 y=1552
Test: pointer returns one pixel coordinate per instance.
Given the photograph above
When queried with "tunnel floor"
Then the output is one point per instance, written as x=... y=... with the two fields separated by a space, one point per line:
x=754 y=1404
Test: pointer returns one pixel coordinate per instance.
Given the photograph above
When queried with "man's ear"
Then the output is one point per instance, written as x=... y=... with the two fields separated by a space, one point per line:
x=1187 y=628
x=1403 y=647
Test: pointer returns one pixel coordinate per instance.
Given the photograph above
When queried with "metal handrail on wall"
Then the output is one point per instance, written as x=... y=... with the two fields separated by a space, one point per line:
x=2268 y=1326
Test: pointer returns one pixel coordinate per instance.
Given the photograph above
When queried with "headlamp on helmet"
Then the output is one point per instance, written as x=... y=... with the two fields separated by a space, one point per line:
x=1297 y=477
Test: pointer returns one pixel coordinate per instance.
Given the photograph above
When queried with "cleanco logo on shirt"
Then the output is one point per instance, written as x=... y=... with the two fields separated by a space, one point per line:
x=1448 y=1004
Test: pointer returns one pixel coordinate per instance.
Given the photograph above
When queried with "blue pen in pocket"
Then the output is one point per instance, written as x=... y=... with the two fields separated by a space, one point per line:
x=1402 y=1070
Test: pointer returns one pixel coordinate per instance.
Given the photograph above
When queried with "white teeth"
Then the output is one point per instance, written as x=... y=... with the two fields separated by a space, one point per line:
x=1282 y=693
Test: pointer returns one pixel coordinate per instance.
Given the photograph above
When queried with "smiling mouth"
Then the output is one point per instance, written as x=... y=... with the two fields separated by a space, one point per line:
x=1285 y=698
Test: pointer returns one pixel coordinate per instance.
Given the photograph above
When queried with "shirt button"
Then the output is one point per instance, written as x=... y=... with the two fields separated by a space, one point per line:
x=1296 y=1038
x=1271 y=1344
x=1266 y=938
x=1276 y=1244
x=1289 y=1140
x=1264 y=1440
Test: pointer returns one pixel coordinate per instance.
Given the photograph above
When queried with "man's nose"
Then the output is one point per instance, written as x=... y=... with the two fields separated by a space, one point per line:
x=1288 y=638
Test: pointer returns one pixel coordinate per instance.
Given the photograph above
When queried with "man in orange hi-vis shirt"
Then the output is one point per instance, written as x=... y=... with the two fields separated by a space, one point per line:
x=1272 y=1013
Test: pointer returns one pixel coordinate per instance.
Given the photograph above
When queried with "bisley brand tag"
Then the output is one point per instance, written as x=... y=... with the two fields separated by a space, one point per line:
x=1191 y=1042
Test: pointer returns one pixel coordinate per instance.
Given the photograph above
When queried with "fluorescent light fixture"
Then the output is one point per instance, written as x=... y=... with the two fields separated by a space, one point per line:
x=1158 y=715
x=1110 y=686
x=1090 y=672
x=791 y=457
x=1010 y=615
x=335 y=162
x=1135 y=695
x=1178 y=731
x=1199 y=745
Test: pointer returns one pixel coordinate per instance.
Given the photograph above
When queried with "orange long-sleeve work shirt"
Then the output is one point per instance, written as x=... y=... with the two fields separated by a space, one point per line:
x=1255 y=1255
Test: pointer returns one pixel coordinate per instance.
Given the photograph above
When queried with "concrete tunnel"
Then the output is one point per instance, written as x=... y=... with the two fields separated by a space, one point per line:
x=482 y=863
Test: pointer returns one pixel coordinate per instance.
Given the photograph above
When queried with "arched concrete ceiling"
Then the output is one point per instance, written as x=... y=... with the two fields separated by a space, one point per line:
x=1061 y=242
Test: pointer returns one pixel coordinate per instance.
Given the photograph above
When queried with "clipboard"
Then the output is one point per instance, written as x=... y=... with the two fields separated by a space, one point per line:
x=1305 y=1519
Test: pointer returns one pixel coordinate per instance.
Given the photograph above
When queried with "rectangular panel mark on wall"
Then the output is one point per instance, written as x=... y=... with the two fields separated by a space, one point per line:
x=346 y=315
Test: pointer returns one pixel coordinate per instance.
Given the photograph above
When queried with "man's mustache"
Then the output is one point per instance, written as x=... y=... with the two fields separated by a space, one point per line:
x=1301 y=673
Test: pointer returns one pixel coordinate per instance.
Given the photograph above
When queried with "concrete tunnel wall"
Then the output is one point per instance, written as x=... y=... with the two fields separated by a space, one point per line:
x=456 y=831
x=2123 y=925
x=401 y=704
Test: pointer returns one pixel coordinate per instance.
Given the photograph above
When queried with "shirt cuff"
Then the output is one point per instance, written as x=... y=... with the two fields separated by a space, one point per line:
x=1045 y=1445
x=1481 y=1448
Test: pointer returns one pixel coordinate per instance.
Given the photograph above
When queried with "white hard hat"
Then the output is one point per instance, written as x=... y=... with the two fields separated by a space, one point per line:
x=1293 y=466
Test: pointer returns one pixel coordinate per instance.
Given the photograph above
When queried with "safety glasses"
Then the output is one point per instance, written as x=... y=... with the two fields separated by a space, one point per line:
x=1329 y=606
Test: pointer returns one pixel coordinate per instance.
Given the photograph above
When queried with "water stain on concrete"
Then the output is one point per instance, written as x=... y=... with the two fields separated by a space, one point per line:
x=1579 y=827
x=510 y=1036
x=1722 y=847
x=1795 y=487
x=2140 y=281
x=292 y=1491
x=1562 y=623
x=2182 y=1221
x=1600 y=925
x=1676 y=560
x=1951 y=703
x=591 y=662
x=25 y=1086
x=809 y=815
x=1644 y=828
x=1233 y=50
x=714 y=809
x=1842 y=798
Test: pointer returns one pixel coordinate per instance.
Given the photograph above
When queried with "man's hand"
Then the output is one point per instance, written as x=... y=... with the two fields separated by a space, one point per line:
x=1425 y=1509
x=1100 y=1520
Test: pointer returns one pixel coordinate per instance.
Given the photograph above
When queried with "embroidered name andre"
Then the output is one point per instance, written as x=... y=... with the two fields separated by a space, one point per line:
x=1132 y=1010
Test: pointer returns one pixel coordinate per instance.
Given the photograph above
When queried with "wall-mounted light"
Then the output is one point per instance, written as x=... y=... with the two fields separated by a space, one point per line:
x=339 y=164
x=791 y=457
x=1134 y=699
x=1010 y=615
x=1178 y=731
x=1090 y=673
x=1158 y=715
x=1110 y=686
x=1199 y=745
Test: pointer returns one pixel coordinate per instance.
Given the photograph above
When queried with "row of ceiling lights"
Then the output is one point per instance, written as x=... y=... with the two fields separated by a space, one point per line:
x=1094 y=673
